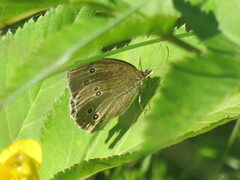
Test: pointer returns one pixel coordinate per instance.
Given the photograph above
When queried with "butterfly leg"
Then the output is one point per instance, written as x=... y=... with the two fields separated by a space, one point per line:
x=149 y=107
x=140 y=103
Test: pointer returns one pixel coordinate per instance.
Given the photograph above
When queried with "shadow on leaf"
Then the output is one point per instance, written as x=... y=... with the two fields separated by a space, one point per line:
x=131 y=115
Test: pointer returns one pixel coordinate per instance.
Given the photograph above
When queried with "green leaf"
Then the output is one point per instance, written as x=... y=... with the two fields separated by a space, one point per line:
x=210 y=36
x=26 y=40
x=228 y=24
x=15 y=48
x=87 y=168
x=79 y=40
x=26 y=113
x=64 y=144
x=192 y=13
x=31 y=2
x=12 y=14
x=24 y=118
x=195 y=95
x=187 y=95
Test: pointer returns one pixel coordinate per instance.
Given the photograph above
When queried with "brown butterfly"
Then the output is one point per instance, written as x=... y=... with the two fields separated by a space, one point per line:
x=102 y=90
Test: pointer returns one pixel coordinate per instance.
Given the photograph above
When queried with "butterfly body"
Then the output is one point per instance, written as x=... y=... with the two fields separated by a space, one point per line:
x=102 y=90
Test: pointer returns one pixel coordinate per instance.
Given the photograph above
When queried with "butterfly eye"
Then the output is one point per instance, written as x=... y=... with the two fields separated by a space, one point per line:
x=92 y=70
x=95 y=116
x=90 y=110
x=98 y=93
x=86 y=82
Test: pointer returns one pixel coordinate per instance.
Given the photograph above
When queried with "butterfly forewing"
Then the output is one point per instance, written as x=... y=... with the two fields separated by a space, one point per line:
x=102 y=90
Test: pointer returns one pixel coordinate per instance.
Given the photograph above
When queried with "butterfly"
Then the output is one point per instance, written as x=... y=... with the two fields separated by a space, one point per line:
x=102 y=90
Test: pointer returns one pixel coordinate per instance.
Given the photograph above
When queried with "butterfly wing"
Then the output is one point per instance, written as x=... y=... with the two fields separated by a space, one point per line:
x=101 y=91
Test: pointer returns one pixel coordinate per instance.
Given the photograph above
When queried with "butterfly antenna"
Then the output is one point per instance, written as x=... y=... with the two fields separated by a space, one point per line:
x=140 y=64
x=167 y=61
x=161 y=63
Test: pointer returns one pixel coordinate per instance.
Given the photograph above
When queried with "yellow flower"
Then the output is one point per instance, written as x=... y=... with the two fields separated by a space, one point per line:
x=21 y=160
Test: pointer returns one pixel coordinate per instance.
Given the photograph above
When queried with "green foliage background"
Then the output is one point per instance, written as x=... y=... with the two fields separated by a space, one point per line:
x=194 y=87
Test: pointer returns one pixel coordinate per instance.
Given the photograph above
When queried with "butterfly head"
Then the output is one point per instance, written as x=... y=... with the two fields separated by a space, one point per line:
x=146 y=73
